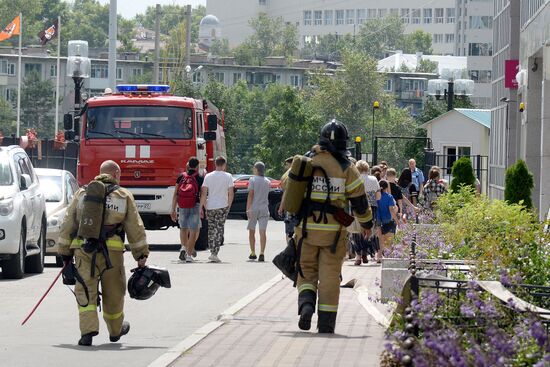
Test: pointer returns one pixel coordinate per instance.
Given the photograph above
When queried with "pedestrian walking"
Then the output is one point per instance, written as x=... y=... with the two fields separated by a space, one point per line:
x=257 y=210
x=100 y=260
x=186 y=208
x=408 y=187
x=402 y=201
x=376 y=171
x=433 y=189
x=321 y=235
x=216 y=199
x=387 y=216
x=417 y=176
x=383 y=169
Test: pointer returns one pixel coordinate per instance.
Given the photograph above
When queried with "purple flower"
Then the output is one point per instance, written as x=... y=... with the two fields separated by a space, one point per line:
x=467 y=310
x=505 y=278
x=538 y=332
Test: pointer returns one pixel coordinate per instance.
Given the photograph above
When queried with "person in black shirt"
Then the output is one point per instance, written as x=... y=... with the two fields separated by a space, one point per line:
x=391 y=175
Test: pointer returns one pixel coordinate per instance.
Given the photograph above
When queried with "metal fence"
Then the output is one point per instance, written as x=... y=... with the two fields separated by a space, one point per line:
x=445 y=162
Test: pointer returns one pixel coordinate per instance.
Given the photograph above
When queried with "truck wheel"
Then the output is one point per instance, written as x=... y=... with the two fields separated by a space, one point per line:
x=35 y=264
x=275 y=212
x=14 y=268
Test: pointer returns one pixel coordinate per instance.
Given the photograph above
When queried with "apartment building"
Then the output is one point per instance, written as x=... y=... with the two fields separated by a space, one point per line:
x=474 y=39
x=315 y=18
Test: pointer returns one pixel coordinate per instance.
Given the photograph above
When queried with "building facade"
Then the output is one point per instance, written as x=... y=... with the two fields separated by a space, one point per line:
x=525 y=34
x=474 y=39
x=315 y=18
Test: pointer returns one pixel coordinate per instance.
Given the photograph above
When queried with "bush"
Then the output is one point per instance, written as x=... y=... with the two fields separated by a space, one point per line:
x=518 y=185
x=463 y=174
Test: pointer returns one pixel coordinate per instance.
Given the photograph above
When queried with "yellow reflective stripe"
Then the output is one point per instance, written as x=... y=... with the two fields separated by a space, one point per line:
x=323 y=195
x=328 y=308
x=115 y=244
x=355 y=184
x=323 y=227
x=307 y=287
x=112 y=316
x=87 y=308
x=77 y=242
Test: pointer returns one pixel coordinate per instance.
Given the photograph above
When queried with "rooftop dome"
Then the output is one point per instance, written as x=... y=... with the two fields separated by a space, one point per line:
x=210 y=20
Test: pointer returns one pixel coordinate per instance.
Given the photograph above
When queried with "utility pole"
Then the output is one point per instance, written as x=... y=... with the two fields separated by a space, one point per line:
x=188 y=36
x=112 y=43
x=157 y=45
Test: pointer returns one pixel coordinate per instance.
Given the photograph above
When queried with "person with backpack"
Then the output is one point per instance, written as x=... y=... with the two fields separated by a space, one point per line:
x=186 y=201
x=433 y=189
x=320 y=187
x=387 y=217
x=257 y=210
x=98 y=219
x=216 y=198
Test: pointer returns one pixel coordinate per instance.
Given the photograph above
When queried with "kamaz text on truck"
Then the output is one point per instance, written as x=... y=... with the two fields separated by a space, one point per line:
x=151 y=134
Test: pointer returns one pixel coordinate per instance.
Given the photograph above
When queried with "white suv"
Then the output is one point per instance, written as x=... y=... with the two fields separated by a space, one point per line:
x=22 y=215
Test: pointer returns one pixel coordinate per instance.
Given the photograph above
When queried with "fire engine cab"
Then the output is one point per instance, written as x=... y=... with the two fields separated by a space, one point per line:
x=151 y=134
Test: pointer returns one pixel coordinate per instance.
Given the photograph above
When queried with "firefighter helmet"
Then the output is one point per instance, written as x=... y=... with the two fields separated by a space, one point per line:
x=145 y=281
x=337 y=133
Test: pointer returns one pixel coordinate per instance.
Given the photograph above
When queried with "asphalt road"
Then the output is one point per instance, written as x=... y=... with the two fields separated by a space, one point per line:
x=199 y=293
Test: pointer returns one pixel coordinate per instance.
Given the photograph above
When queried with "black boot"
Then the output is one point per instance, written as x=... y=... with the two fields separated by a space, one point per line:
x=326 y=322
x=86 y=339
x=306 y=308
x=123 y=331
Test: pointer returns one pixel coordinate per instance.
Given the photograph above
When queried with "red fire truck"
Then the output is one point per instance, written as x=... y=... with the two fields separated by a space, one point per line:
x=151 y=134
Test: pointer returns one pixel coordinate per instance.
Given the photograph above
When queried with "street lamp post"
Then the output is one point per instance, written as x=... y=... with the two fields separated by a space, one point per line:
x=375 y=106
x=78 y=68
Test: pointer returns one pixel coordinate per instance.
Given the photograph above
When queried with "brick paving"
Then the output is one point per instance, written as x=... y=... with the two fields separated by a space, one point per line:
x=265 y=333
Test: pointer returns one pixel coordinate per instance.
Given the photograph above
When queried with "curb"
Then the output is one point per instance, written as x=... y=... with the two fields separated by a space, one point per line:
x=362 y=293
x=177 y=351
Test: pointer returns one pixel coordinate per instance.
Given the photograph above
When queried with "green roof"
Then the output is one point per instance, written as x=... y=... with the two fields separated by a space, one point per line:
x=482 y=117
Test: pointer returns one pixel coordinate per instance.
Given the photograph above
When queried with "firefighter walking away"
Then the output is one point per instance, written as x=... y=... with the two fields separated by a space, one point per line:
x=333 y=184
x=93 y=231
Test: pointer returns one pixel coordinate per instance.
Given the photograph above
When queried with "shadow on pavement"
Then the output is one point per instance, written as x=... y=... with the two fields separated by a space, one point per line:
x=101 y=347
x=314 y=335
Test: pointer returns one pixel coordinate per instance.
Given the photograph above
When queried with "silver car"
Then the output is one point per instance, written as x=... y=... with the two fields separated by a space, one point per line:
x=58 y=187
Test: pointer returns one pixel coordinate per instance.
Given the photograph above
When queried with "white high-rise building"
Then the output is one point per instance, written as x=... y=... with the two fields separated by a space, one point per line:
x=315 y=18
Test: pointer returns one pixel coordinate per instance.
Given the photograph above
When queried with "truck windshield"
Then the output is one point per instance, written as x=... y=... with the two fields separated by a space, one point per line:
x=147 y=122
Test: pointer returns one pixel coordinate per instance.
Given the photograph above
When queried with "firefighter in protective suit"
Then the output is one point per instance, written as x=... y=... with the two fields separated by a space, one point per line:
x=323 y=243
x=92 y=267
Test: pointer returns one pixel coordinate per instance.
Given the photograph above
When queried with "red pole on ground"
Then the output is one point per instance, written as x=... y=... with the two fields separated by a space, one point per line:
x=44 y=296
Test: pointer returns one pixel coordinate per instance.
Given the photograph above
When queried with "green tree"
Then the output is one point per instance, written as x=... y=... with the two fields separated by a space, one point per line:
x=463 y=174
x=245 y=54
x=87 y=20
x=37 y=102
x=427 y=66
x=220 y=48
x=518 y=184
x=329 y=47
x=126 y=35
x=418 y=41
x=380 y=35
x=290 y=118
x=7 y=118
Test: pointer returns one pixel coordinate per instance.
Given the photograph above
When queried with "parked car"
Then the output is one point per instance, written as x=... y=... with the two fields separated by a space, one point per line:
x=22 y=215
x=240 y=183
x=58 y=187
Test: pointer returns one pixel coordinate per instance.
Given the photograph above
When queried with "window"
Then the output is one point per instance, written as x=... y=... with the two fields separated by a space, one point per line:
x=307 y=17
x=318 y=16
x=328 y=17
x=11 y=95
x=119 y=74
x=405 y=15
x=480 y=76
x=339 y=17
x=197 y=77
x=100 y=71
x=350 y=16
x=439 y=15
x=450 y=38
x=308 y=40
x=11 y=68
x=295 y=80
x=371 y=14
x=438 y=38
x=53 y=71
x=262 y=2
x=450 y=15
x=30 y=68
x=219 y=77
x=481 y=22
x=388 y=85
x=237 y=77
x=453 y=152
x=136 y=72
x=427 y=16
x=3 y=67
x=415 y=19
x=480 y=49
x=361 y=16
x=394 y=12
x=382 y=13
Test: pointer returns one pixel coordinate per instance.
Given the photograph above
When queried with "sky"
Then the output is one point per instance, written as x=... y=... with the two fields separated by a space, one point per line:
x=129 y=8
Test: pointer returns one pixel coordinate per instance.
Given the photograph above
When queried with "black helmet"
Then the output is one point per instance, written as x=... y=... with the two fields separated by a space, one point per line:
x=337 y=133
x=145 y=281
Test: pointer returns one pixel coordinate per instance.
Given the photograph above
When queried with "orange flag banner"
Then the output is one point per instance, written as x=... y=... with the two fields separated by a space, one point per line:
x=12 y=29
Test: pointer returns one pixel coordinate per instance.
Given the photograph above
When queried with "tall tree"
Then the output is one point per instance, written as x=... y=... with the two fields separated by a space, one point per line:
x=380 y=35
x=418 y=41
x=328 y=47
x=37 y=103
x=7 y=118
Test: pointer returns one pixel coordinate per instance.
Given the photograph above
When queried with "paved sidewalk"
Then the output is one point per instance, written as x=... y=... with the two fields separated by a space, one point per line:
x=265 y=332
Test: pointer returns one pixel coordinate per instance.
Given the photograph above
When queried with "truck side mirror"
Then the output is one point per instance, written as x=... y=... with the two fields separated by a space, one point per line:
x=212 y=123
x=68 y=121
x=210 y=135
